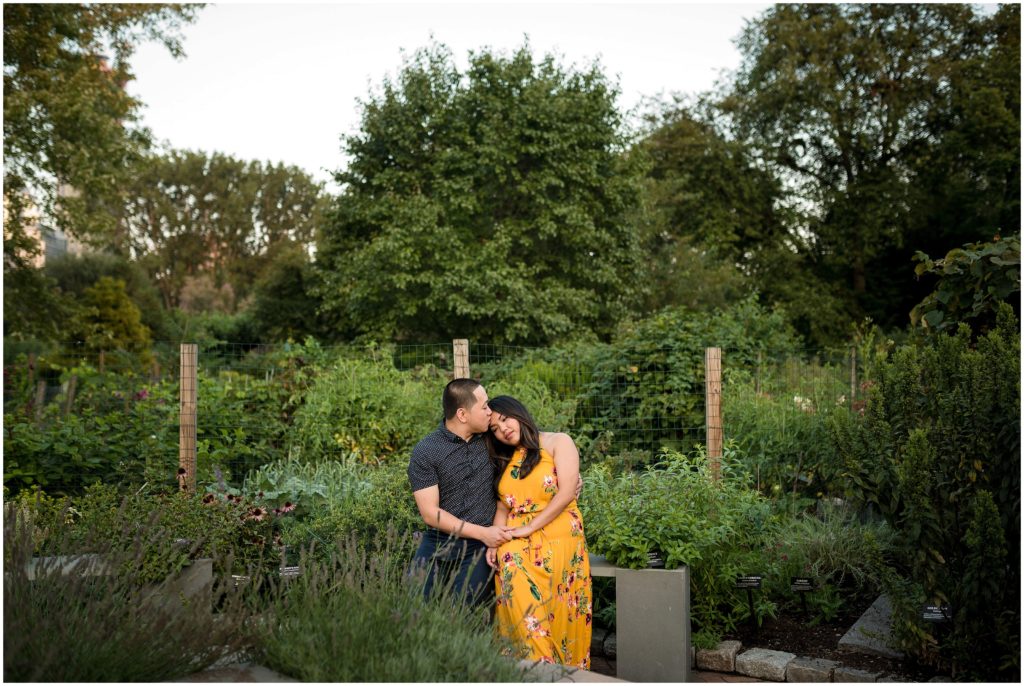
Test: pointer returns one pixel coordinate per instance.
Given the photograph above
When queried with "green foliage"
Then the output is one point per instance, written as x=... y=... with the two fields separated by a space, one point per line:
x=162 y=532
x=510 y=169
x=191 y=217
x=937 y=449
x=720 y=531
x=308 y=487
x=74 y=274
x=779 y=414
x=77 y=627
x=110 y=320
x=843 y=556
x=122 y=428
x=366 y=408
x=882 y=117
x=284 y=306
x=708 y=210
x=359 y=617
x=973 y=280
x=379 y=502
x=653 y=373
x=69 y=134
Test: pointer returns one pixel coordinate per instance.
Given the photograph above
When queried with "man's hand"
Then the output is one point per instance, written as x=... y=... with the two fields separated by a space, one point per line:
x=492 y=558
x=579 y=486
x=493 y=536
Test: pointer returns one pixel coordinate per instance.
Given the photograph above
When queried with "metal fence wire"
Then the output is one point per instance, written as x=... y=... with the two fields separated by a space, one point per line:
x=263 y=402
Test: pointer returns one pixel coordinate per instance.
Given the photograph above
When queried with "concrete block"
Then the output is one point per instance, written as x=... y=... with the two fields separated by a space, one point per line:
x=872 y=632
x=653 y=614
x=611 y=645
x=721 y=658
x=849 y=675
x=764 y=664
x=806 y=669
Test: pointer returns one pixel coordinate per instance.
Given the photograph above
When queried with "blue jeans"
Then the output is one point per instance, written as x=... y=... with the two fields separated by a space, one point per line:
x=456 y=561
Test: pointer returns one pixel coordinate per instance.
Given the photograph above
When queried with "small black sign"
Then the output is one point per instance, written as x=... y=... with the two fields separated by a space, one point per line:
x=748 y=581
x=936 y=613
x=801 y=584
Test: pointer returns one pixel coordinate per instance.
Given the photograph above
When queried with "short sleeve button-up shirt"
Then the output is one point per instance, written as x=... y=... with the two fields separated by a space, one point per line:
x=461 y=470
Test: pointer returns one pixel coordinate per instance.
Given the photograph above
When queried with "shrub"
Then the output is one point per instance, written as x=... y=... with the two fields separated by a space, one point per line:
x=78 y=628
x=781 y=429
x=720 y=531
x=358 y=618
x=835 y=549
x=209 y=526
x=367 y=514
x=938 y=452
x=308 y=487
x=368 y=408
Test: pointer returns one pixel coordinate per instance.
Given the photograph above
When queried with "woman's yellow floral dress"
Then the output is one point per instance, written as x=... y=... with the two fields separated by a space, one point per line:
x=543 y=582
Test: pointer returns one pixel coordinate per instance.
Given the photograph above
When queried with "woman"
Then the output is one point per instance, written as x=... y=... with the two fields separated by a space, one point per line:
x=542 y=576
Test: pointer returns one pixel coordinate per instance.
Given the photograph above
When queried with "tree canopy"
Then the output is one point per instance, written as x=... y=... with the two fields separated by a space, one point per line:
x=189 y=214
x=490 y=202
x=863 y=112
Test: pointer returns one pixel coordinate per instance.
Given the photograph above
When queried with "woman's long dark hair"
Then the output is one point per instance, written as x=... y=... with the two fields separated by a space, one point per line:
x=529 y=438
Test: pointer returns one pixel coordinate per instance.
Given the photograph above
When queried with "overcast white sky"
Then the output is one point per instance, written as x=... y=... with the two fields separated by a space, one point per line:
x=280 y=82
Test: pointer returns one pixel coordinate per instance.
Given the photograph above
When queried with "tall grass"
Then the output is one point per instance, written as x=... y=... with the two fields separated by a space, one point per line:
x=102 y=622
x=361 y=617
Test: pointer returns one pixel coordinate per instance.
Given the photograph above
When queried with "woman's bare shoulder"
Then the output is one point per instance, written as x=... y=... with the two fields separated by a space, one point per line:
x=551 y=441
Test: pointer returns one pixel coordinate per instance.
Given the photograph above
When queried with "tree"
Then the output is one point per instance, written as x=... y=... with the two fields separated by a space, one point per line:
x=708 y=210
x=68 y=135
x=67 y=115
x=851 y=106
x=74 y=274
x=283 y=304
x=490 y=202
x=197 y=218
x=110 y=320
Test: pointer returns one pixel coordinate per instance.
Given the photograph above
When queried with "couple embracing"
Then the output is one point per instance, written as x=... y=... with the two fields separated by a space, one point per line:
x=499 y=497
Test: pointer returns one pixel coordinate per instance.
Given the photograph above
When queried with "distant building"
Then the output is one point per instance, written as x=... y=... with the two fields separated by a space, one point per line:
x=53 y=241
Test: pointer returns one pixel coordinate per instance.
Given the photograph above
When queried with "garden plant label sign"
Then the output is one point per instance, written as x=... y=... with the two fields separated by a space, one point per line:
x=751 y=581
x=800 y=584
x=936 y=613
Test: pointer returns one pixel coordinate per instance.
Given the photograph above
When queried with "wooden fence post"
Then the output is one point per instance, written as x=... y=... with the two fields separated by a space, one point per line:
x=71 y=387
x=713 y=408
x=187 y=417
x=460 y=354
x=31 y=369
x=853 y=374
x=102 y=361
x=40 y=399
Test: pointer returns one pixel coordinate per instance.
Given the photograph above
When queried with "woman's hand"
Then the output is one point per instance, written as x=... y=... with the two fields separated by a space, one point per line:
x=523 y=531
x=492 y=558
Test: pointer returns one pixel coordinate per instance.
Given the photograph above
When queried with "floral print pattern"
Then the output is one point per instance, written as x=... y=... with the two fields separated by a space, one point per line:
x=544 y=600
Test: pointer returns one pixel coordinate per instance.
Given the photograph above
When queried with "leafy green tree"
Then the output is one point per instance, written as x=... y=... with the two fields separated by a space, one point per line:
x=853 y=105
x=191 y=214
x=492 y=201
x=69 y=134
x=67 y=115
x=74 y=274
x=110 y=320
x=283 y=304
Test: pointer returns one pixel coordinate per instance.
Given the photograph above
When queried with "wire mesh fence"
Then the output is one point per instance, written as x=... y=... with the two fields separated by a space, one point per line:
x=72 y=414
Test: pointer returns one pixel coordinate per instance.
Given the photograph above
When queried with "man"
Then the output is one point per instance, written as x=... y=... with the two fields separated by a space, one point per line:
x=452 y=480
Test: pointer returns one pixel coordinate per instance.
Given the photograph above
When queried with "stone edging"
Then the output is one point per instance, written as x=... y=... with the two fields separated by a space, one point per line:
x=776 y=665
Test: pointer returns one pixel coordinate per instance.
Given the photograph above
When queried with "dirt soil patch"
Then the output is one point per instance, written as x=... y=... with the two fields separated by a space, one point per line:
x=791 y=632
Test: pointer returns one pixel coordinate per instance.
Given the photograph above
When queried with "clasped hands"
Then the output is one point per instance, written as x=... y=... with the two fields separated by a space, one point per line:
x=503 y=534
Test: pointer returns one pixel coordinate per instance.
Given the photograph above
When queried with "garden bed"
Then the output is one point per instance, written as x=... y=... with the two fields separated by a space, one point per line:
x=791 y=633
